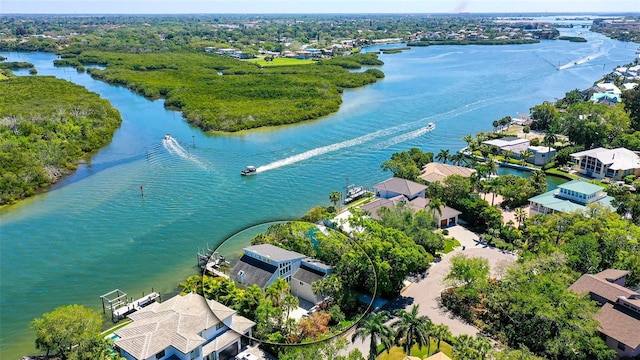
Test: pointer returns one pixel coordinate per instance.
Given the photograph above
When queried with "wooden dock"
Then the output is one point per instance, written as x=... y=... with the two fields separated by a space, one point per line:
x=120 y=308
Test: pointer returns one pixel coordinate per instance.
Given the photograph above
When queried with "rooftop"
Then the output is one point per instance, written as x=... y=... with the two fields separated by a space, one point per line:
x=581 y=187
x=617 y=159
x=173 y=323
x=620 y=324
x=603 y=288
x=275 y=253
x=438 y=172
x=255 y=271
x=401 y=186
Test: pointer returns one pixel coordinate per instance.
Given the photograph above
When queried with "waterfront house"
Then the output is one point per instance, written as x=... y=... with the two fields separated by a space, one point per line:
x=541 y=154
x=391 y=192
x=619 y=314
x=568 y=197
x=263 y=264
x=601 y=163
x=609 y=88
x=511 y=143
x=437 y=172
x=396 y=186
x=605 y=98
x=187 y=327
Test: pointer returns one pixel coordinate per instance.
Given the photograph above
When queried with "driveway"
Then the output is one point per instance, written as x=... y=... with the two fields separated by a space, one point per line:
x=426 y=291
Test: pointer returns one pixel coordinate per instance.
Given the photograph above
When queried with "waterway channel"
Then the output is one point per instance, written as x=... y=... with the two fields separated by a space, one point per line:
x=95 y=232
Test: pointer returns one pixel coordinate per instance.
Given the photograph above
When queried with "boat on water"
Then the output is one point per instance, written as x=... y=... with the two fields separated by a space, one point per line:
x=431 y=126
x=354 y=193
x=250 y=170
x=167 y=136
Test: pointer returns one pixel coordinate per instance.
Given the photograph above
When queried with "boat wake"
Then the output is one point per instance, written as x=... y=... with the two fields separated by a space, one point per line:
x=581 y=61
x=174 y=147
x=374 y=135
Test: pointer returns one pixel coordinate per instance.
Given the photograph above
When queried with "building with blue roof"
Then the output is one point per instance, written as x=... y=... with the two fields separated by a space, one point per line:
x=568 y=197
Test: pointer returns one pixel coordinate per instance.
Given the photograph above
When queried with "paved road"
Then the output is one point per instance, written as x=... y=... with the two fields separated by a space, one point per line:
x=427 y=291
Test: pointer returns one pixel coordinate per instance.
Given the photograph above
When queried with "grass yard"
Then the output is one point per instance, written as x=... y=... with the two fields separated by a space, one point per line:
x=2 y=77
x=396 y=353
x=449 y=244
x=280 y=62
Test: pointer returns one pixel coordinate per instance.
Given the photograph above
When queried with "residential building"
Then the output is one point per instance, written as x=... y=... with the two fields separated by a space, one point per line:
x=263 y=264
x=568 y=197
x=391 y=192
x=511 y=143
x=541 y=154
x=396 y=186
x=185 y=327
x=605 y=98
x=602 y=163
x=609 y=88
x=619 y=314
x=437 y=172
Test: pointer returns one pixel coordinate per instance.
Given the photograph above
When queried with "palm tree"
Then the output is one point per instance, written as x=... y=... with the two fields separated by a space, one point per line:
x=335 y=196
x=464 y=347
x=550 y=138
x=492 y=167
x=482 y=346
x=524 y=155
x=443 y=155
x=468 y=139
x=440 y=332
x=520 y=216
x=289 y=303
x=458 y=158
x=435 y=205
x=495 y=124
x=411 y=328
x=373 y=326
x=276 y=291
x=493 y=185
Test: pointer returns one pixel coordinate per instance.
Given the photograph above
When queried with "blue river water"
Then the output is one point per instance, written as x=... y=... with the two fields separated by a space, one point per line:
x=94 y=232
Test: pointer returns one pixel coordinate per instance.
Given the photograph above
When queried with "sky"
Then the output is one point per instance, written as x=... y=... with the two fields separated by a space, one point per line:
x=313 y=6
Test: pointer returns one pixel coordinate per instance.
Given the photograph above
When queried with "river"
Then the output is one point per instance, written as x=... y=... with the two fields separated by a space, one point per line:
x=94 y=232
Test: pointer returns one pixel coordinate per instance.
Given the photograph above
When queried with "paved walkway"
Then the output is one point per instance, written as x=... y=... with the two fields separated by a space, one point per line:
x=426 y=292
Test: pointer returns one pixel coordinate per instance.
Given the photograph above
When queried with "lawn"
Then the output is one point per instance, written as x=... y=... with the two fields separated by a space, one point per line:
x=449 y=244
x=562 y=174
x=2 y=77
x=280 y=62
x=396 y=353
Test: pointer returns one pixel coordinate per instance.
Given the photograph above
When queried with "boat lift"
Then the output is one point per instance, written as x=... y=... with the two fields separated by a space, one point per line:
x=116 y=302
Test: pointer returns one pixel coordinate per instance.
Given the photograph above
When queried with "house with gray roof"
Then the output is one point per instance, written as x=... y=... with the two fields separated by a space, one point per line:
x=510 y=143
x=187 y=327
x=411 y=194
x=263 y=264
x=568 y=197
x=396 y=186
x=619 y=315
x=600 y=163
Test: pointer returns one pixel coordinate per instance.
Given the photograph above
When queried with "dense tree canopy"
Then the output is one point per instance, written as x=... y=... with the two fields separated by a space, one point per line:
x=71 y=332
x=46 y=126
x=218 y=93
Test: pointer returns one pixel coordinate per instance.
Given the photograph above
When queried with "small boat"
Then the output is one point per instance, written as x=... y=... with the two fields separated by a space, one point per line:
x=354 y=193
x=167 y=136
x=250 y=170
x=431 y=126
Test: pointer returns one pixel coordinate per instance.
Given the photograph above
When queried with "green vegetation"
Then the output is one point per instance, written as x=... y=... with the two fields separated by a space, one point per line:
x=408 y=164
x=450 y=244
x=46 y=126
x=532 y=307
x=72 y=332
x=14 y=65
x=245 y=96
x=280 y=62
x=572 y=38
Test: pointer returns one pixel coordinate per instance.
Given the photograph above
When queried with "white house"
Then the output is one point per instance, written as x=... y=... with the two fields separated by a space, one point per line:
x=602 y=163
x=184 y=328
x=510 y=143
x=263 y=264
x=609 y=88
x=541 y=154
